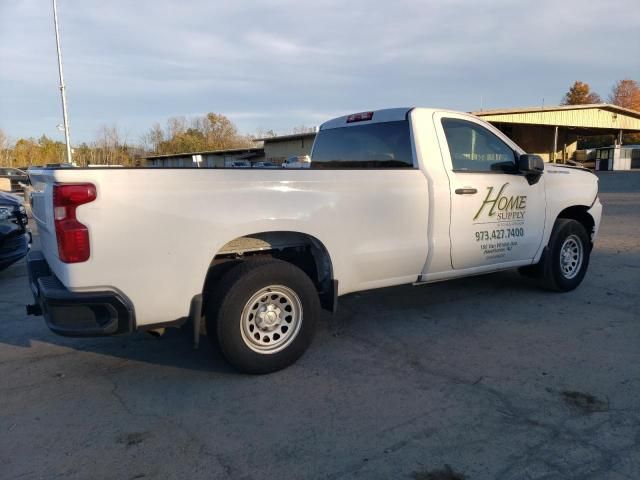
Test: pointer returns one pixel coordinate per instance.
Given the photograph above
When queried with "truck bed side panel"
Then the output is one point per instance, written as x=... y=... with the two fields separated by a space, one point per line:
x=154 y=231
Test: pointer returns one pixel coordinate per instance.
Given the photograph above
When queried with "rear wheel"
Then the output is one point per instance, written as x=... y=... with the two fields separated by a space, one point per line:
x=264 y=313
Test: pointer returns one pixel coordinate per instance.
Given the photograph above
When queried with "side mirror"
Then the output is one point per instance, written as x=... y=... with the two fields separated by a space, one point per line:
x=532 y=166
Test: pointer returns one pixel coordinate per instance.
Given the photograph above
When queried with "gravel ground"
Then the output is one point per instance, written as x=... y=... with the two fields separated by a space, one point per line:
x=480 y=378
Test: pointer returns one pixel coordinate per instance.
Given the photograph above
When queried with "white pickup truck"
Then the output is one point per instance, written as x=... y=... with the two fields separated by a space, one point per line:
x=396 y=196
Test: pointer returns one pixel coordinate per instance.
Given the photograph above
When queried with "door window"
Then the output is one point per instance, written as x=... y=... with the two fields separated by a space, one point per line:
x=473 y=148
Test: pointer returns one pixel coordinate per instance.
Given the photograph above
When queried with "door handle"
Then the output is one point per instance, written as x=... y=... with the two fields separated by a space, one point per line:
x=466 y=191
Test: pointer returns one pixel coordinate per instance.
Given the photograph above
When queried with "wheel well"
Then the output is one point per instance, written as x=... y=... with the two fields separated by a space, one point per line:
x=580 y=214
x=302 y=250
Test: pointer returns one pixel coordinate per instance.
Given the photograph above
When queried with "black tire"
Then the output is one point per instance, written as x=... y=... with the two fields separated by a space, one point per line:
x=565 y=275
x=228 y=312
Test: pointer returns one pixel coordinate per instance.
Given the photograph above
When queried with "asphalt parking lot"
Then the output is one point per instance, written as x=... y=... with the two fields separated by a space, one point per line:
x=481 y=378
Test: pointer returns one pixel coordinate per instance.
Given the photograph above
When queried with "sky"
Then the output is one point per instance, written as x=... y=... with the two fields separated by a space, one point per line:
x=280 y=64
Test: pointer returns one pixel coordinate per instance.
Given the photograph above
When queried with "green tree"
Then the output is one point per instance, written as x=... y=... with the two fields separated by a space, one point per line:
x=580 y=94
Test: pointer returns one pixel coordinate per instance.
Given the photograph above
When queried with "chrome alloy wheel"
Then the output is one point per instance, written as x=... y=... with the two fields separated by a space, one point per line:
x=571 y=256
x=271 y=319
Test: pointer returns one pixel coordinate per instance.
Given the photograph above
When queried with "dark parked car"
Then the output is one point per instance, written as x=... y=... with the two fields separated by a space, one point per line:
x=15 y=176
x=15 y=239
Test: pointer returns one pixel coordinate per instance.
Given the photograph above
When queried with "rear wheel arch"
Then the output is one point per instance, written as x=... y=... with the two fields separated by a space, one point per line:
x=300 y=249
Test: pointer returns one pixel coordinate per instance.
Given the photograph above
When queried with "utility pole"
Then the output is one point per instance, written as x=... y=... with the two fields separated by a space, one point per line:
x=62 y=87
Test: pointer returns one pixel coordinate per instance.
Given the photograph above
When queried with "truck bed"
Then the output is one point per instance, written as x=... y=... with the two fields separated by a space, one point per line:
x=154 y=232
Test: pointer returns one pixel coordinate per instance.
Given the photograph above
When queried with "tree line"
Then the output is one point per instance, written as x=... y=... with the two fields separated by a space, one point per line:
x=624 y=93
x=112 y=147
x=214 y=131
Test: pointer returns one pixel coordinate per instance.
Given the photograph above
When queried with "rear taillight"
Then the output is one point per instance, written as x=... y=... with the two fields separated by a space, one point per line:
x=73 y=236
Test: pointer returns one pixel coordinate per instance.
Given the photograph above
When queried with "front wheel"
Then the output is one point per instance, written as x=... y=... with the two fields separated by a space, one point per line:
x=567 y=257
x=264 y=313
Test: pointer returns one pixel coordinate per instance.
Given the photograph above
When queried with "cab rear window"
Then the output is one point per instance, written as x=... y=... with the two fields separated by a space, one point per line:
x=375 y=145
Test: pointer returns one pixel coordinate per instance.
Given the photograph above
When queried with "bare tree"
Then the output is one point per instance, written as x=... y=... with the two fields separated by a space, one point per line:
x=111 y=147
x=5 y=149
x=153 y=139
x=176 y=126
x=264 y=133
x=303 y=129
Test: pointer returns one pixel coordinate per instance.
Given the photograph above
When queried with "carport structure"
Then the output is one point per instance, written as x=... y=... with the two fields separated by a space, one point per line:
x=552 y=132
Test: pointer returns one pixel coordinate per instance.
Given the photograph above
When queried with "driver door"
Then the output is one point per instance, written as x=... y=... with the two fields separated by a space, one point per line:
x=497 y=217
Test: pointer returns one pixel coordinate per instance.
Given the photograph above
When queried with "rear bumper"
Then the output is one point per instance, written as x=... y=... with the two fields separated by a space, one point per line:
x=76 y=314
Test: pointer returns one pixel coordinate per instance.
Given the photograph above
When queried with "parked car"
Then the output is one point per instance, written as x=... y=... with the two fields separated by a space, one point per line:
x=265 y=165
x=62 y=165
x=297 y=161
x=241 y=164
x=15 y=239
x=391 y=197
x=15 y=176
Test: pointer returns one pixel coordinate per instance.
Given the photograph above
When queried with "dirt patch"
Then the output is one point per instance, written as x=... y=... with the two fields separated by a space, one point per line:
x=585 y=402
x=445 y=473
x=134 y=438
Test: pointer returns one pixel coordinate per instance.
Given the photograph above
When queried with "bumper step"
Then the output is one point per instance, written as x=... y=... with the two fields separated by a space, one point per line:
x=76 y=314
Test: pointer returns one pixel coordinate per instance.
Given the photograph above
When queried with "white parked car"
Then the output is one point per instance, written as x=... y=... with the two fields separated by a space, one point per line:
x=391 y=197
x=265 y=165
x=297 y=161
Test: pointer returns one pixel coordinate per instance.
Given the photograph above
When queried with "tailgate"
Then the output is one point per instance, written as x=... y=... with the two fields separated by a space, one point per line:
x=41 y=201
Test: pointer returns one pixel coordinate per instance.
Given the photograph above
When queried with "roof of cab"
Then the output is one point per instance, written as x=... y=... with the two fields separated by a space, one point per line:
x=379 y=116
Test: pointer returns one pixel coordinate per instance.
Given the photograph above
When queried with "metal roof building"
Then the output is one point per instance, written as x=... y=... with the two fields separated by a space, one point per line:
x=208 y=159
x=275 y=149
x=279 y=148
x=552 y=132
